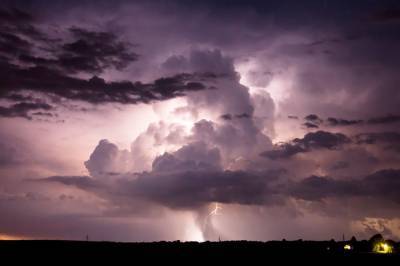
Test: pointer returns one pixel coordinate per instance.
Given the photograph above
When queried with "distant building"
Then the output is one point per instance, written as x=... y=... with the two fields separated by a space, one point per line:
x=383 y=247
x=348 y=247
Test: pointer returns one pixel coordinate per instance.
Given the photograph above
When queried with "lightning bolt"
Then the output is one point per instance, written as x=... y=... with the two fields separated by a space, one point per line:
x=205 y=222
x=215 y=210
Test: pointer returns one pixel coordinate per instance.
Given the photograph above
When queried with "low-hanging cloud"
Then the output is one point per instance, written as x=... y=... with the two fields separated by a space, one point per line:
x=314 y=121
x=382 y=184
x=22 y=109
x=194 y=189
x=311 y=141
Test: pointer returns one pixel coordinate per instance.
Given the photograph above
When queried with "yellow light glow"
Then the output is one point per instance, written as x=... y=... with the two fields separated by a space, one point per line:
x=347 y=247
x=383 y=247
x=9 y=237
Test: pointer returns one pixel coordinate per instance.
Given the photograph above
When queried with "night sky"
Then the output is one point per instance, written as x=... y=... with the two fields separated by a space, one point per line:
x=199 y=120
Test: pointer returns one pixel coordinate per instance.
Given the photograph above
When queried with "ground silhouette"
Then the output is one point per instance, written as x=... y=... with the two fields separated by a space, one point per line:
x=227 y=251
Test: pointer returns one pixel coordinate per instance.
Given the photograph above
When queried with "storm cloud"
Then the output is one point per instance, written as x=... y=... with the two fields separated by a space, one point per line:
x=310 y=141
x=35 y=63
x=134 y=121
x=194 y=188
x=22 y=109
x=381 y=184
x=96 y=90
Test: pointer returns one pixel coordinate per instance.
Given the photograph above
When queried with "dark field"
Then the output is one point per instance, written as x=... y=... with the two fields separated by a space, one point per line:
x=229 y=251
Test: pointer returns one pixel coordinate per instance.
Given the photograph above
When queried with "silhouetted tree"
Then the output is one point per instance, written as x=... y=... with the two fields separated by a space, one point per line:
x=376 y=238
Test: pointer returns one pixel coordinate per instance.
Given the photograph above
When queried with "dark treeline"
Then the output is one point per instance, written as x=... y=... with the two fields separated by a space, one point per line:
x=34 y=250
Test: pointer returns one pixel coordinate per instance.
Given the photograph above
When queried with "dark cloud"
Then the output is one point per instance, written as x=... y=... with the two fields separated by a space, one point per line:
x=331 y=141
x=14 y=16
x=382 y=184
x=310 y=141
x=342 y=122
x=226 y=117
x=95 y=90
x=192 y=189
x=90 y=51
x=313 y=118
x=23 y=109
x=97 y=50
x=282 y=151
x=243 y=115
x=389 y=140
x=47 y=114
x=312 y=121
x=19 y=34
x=317 y=188
x=384 y=119
x=310 y=125
x=20 y=22
x=20 y=98
x=187 y=189
x=82 y=182
x=322 y=139
x=382 y=137
x=231 y=116
x=12 y=45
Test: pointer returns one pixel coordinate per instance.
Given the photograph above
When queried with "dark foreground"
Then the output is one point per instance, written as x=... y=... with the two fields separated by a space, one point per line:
x=230 y=251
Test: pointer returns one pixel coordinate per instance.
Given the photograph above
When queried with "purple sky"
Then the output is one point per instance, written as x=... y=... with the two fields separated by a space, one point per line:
x=136 y=120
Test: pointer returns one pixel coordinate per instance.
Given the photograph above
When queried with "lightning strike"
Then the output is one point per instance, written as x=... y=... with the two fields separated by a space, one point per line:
x=215 y=210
